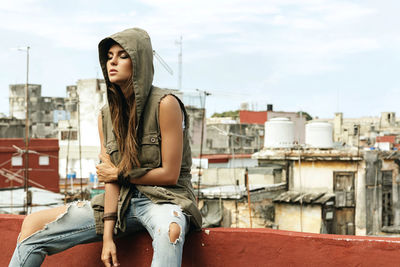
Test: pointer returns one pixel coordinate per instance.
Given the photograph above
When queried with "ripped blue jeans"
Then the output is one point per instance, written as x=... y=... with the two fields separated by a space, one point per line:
x=77 y=226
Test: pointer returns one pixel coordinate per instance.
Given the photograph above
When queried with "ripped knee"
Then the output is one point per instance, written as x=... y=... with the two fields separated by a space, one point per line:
x=174 y=232
x=37 y=221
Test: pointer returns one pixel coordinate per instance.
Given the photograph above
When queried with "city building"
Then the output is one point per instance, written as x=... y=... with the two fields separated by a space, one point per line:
x=43 y=163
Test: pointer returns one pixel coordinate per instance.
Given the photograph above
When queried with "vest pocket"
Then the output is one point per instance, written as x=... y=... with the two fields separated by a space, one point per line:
x=112 y=150
x=150 y=151
x=111 y=146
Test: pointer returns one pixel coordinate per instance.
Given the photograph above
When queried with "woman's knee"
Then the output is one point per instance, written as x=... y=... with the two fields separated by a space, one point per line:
x=174 y=232
x=36 y=221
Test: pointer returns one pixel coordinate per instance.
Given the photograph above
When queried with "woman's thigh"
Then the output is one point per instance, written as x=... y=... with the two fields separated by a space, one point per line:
x=53 y=231
x=61 y=228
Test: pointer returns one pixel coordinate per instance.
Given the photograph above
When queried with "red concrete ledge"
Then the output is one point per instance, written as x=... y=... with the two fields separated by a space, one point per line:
x=229 y=247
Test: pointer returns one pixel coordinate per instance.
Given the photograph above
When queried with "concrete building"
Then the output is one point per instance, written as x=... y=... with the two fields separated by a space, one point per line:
x=233 y=138
x=196 y=121
x=12 y=128
x=43 y=111
x=315 y=179
x=364 y=130
x=229 y=206
x=346 y=190
x=78 y=135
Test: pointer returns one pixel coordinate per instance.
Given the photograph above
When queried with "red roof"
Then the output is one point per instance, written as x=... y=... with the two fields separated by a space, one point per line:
x=387 y=138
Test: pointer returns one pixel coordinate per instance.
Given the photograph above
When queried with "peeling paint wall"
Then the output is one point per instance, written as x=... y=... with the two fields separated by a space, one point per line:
x=317 y=176
x=219 y=140
x=236 y=213
x=236 y=176
x=306 y=218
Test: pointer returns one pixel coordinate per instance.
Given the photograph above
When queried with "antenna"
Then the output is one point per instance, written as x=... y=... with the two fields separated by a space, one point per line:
x=163 y=63
x=180 y=43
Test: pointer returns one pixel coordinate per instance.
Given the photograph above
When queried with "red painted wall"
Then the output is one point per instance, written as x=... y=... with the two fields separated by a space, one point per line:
x=46 y=175
x=253 y=117
x=228 y=247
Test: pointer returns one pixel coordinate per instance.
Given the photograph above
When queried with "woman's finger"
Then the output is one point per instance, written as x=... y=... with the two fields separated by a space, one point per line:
x=114 y=259
x=105 y=157
x=106 y=262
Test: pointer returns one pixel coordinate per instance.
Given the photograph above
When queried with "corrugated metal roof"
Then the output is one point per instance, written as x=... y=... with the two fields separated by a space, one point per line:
x=308 y=198
x=236 y=191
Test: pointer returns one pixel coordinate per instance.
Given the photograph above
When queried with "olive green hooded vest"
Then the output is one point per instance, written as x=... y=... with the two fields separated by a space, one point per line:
x=136 y=43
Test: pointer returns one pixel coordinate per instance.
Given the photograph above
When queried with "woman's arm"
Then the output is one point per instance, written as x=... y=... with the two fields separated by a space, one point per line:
x=109 y=253
x=170 y=118
x=171 y=148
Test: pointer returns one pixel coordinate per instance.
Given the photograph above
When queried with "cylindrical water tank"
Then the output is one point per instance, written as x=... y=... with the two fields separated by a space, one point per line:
x=279 y=133
x=319 y=135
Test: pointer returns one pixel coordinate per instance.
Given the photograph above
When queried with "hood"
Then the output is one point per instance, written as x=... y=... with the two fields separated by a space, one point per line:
x=136 y=42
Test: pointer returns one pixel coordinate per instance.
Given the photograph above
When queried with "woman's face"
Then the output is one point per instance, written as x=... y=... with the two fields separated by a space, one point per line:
x=119 y=66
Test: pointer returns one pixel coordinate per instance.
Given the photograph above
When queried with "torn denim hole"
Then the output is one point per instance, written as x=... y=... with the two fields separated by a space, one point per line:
x=79 y=204
x=178 y=238
x=177 y=213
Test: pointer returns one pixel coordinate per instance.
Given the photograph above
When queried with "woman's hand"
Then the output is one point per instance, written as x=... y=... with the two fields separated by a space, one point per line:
x=106 y=170
x=109 y=253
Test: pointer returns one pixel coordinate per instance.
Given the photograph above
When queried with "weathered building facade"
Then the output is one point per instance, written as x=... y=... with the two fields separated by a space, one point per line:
x=44 y=112
x=233 y=138
x=314 y=176
x=337 y=191
x=364 y=130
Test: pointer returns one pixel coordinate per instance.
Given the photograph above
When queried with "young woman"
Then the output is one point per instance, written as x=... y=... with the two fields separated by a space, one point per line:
x=146 y=162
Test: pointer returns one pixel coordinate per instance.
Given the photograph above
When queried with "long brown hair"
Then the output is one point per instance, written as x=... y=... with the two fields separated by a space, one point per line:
x=123 y=114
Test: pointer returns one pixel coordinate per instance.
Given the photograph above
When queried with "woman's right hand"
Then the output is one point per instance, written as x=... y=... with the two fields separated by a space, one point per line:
x=109 y=253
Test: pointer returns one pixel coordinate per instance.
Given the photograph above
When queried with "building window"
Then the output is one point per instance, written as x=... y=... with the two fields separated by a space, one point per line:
x=69 y=135
x=16 y=161
x=44 y=160
x=387 y=202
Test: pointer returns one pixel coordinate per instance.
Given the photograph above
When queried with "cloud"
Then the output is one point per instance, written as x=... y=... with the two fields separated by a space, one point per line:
x=272 y=42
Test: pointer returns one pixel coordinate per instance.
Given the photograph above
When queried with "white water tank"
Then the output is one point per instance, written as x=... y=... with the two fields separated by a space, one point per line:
x=279 y=133
x=319 y=135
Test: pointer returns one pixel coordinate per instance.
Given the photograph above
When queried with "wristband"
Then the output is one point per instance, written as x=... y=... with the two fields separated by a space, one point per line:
x=111 y=216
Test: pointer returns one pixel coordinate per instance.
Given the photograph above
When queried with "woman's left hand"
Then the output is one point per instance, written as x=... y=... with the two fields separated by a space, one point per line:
x=106 y=170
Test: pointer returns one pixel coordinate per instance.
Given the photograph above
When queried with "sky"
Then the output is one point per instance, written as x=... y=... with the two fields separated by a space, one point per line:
x=317 y=56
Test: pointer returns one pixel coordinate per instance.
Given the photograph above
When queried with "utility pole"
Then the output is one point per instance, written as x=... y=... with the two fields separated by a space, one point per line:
x=203 y=106
x=26 y=165
x=80 y=144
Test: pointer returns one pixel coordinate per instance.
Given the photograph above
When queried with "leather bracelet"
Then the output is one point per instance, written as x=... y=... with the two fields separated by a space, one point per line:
x=111 y=216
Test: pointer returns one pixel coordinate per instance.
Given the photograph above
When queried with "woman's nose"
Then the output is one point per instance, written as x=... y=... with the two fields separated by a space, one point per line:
x=113 y=61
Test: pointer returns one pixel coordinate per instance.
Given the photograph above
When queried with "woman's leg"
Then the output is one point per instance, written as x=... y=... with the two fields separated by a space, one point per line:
x=167 y=225
x=51 y=231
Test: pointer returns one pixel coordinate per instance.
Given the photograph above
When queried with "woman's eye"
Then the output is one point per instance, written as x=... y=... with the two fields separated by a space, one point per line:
x=124 y=56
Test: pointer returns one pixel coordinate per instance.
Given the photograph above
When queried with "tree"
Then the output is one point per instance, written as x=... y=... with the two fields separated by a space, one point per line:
x=306 y=115
x=233 y=114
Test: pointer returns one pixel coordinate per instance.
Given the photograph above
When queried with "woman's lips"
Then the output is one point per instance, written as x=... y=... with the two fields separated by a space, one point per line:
x=113 y=72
